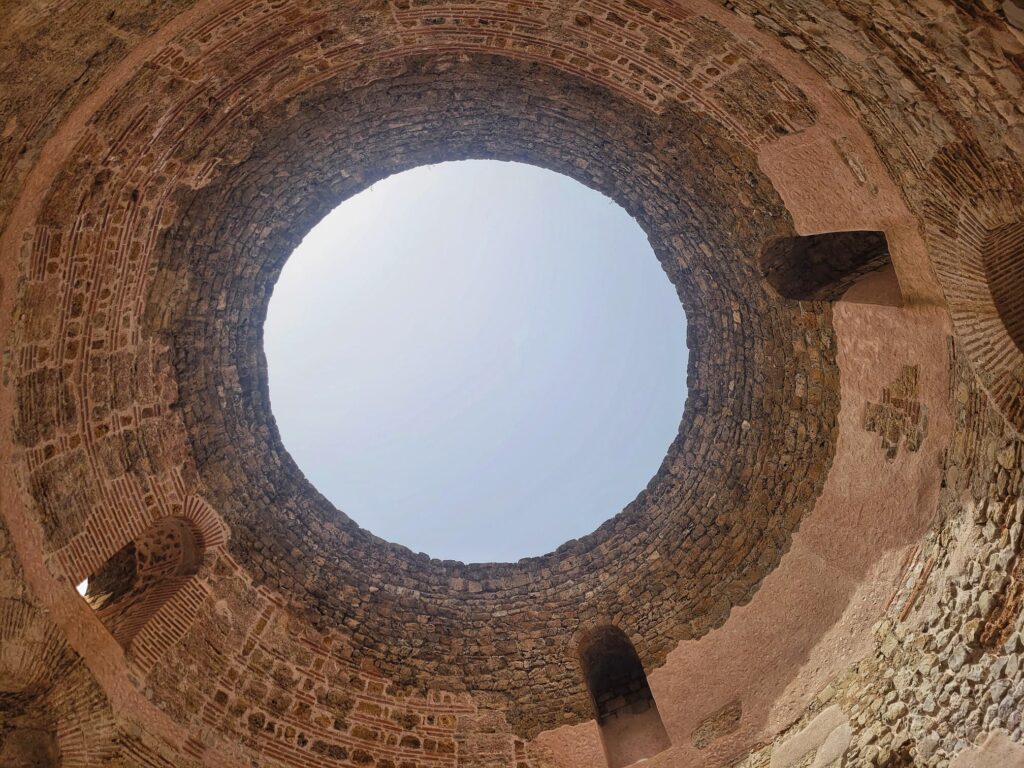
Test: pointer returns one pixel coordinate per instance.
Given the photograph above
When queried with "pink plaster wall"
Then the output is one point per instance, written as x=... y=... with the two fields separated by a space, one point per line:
x=632 y=737
x=813 y=615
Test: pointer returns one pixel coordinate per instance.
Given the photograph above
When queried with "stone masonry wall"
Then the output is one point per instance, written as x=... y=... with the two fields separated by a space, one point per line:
x=946 y=667
x=158 y=161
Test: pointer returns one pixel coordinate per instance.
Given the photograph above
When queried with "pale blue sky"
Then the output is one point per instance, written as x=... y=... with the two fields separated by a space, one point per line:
x=479 y=360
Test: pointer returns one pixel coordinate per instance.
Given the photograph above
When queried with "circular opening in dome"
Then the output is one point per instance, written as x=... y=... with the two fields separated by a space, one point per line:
x=479 y=360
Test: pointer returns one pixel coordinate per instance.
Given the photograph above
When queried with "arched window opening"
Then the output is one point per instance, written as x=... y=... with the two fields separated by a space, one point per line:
x=1003 y=254
x=627 y=715
x=142 y=576
x=825 y=267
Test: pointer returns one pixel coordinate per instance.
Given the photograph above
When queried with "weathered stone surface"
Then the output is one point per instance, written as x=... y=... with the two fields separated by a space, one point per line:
x=159 y=161
x=717 y=724
x=900 y=419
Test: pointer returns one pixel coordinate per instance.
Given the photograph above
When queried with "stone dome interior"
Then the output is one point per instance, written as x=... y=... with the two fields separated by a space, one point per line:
x=479 y=360
x=826 y=568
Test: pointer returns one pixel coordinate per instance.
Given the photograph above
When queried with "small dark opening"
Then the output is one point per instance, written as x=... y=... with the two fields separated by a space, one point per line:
x=824 y=267
x=631 y=726
x=114 y=579
x=143 y=575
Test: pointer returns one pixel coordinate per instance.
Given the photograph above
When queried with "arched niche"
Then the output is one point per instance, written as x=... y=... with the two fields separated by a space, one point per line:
x=141 y=577
x=626 y=712
x=1003 y=253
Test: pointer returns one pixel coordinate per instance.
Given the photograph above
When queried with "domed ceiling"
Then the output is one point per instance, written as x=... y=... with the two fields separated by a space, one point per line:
x=834 y=189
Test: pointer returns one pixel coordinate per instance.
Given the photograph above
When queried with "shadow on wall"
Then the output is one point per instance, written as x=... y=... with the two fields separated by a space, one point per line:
x=854 y=265
x=627 y=715
x=26 y=747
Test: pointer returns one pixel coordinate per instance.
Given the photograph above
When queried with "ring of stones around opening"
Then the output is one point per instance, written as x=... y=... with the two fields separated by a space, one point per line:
x=162 y=386
x=685 y=523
